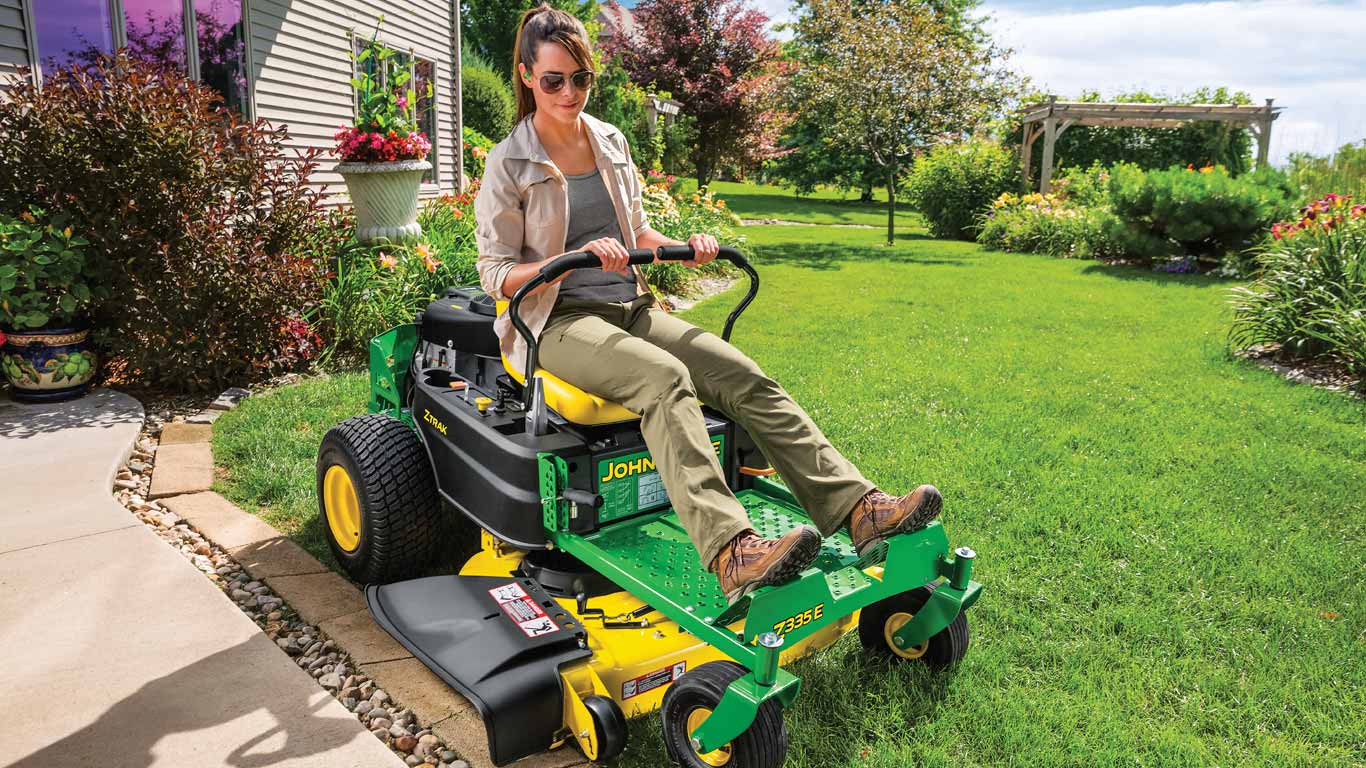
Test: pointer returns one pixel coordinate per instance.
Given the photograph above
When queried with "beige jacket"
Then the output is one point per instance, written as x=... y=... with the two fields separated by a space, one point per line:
x=522 y=215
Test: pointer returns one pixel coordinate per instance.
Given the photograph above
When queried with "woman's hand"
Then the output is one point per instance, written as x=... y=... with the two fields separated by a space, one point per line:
x=704 y=248
x=613 y=254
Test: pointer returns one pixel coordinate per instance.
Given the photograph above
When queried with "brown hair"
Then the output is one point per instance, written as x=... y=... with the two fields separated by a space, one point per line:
x=544 y=24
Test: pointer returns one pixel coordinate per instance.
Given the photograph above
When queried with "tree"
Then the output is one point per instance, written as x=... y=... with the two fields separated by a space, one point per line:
x=490 y=26
x=714 y=57
x=898 y=76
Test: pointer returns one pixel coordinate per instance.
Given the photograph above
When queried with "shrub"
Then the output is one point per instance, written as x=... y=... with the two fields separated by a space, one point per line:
x=370 y=289
x=680 y=217
x=487 y=103
x=1051 y=224
x=204 y=225
x=476 y=147
x=45 y=278
x=1310 y=296
x=954 y=184
x=1206 y=212
x=1344 y=172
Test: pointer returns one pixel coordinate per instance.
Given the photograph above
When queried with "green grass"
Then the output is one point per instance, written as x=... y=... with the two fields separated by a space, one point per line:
x=824 y=206
x=1172 y=541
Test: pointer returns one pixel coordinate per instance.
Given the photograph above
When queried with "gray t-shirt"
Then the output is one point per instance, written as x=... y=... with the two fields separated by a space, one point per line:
x=591 y=216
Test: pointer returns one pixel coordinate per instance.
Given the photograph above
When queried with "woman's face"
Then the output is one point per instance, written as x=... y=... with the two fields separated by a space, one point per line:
x=565 y=104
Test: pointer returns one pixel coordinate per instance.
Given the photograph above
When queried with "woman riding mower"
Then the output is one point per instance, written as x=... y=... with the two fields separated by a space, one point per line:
x=563 y=181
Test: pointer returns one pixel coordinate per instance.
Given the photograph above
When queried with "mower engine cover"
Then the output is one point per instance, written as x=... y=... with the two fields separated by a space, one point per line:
x=462 y=320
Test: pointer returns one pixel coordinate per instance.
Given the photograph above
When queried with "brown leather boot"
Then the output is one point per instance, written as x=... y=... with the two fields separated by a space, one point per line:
x=878 y=516
x=748 y=561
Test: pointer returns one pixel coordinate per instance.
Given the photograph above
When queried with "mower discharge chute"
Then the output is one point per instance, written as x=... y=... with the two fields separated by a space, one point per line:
x=581 y=600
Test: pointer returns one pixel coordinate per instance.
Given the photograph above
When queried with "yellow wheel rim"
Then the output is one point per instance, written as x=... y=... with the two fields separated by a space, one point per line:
x=717 y=756
x=895 y=622
x=343 y=508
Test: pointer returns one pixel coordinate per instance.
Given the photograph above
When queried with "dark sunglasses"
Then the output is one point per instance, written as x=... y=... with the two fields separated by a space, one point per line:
x=554 y=81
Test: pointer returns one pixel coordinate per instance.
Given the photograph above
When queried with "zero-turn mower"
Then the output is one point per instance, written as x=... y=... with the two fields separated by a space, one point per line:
x=582 y=601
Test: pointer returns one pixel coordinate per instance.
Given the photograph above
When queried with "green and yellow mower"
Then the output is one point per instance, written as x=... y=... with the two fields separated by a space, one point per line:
x=579 y=600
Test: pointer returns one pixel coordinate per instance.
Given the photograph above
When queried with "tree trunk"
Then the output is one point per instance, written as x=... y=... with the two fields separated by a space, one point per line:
x=702 y=159
x=891 y=203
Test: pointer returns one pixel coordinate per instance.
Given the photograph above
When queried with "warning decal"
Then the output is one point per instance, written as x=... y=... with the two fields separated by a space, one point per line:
x=647 y=683
x=524 y=611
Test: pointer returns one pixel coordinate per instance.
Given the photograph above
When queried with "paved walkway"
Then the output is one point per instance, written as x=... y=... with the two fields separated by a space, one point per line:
x=116 y=652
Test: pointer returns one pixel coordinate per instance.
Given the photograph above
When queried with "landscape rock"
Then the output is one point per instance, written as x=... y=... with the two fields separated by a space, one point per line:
x=404 y=743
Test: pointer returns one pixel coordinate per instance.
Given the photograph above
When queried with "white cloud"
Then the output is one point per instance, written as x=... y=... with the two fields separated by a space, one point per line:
x=1309 y=55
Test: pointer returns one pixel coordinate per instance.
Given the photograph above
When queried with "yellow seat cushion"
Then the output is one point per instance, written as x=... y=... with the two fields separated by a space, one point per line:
x=572 y=403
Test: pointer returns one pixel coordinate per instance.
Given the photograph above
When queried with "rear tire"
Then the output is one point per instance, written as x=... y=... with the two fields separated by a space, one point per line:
x=762 y=745
x=386 y=526
x=879 y=620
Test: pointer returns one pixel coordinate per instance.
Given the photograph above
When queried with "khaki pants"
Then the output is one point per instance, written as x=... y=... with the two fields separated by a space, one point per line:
x=659 y=366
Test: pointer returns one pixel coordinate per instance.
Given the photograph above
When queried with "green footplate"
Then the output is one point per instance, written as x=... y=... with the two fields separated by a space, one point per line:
x=656 y=548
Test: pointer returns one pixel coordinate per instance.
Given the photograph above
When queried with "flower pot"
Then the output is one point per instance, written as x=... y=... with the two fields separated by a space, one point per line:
x=47 y=365
x=385 y=198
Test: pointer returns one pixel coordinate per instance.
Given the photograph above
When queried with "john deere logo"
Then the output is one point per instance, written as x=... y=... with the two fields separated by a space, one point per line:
x=616 y=470
x=435 y=422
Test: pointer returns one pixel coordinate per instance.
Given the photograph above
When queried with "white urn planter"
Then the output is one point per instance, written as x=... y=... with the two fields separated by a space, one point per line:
x=385 y=198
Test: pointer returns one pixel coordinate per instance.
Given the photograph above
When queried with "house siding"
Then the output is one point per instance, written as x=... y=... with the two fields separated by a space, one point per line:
x=301 y=72
x=13 y=38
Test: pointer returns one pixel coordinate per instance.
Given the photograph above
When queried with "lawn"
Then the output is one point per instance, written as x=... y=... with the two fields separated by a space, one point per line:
x=1172 y=541
x=824 y=206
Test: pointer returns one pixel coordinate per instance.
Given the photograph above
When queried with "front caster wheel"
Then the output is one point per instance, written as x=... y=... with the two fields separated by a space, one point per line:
x=879 y=621
x=689 y=701
x=609 y=728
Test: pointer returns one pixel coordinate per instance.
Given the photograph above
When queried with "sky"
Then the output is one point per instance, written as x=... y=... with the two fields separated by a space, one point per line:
x=1308 y=55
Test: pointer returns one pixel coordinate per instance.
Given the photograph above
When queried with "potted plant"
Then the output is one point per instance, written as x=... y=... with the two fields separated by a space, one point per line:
x=382 y=154
x=45 y=288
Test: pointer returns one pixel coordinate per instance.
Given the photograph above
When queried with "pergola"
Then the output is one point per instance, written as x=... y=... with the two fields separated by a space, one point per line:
x=1051 y=119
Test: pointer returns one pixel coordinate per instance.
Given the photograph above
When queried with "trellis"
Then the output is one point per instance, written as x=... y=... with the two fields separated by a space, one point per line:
x=1051 y=119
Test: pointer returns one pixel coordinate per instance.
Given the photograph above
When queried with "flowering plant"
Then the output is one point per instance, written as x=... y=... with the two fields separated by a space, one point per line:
x=1323 y=215
x=1310 y=294
x=386 y=114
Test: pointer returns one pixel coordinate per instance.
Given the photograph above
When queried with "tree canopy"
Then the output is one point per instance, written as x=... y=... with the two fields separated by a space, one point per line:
x=714 y=57
x=893 y=77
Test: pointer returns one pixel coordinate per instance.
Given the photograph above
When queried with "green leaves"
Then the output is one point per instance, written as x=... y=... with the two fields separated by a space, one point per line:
x=44 y=275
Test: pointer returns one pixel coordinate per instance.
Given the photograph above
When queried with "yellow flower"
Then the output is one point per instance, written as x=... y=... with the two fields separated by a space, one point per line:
x=387 y=261
x=720 y=203
x=1207 y=169
x=696 y=198
x=67 y=233
x=26 y=216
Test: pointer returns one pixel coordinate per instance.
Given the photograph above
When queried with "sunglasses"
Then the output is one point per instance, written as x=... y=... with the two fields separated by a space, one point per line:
x=552 y=82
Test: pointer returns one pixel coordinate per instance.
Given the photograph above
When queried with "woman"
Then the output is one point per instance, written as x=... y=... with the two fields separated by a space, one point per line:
x=563 y=181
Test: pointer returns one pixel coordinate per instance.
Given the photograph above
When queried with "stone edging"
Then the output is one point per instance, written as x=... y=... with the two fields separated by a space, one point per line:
x=317 y=617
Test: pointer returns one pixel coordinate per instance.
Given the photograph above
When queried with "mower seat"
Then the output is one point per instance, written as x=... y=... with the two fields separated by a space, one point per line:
x=573 y=404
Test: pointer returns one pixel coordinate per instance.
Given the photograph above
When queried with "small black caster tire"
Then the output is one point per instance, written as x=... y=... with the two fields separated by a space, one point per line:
x=609 y=728
x=694 y=696
x=878 y=621
x=377 y=499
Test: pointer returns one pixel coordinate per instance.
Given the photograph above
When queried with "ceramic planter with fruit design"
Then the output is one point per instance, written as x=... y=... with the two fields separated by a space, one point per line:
x=48 y=364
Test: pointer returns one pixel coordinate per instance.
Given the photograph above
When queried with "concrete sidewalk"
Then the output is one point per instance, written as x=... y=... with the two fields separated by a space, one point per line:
x=116 y=652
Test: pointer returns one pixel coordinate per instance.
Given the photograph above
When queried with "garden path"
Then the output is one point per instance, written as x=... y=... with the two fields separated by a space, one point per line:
x=117 y=651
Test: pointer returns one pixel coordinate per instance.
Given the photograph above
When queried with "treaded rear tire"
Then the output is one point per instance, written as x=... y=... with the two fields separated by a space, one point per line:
x=944 y=649
x=762 y=745
x=400 y=513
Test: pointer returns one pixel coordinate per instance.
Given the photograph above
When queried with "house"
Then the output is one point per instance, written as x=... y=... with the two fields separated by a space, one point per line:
x=282 y=60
